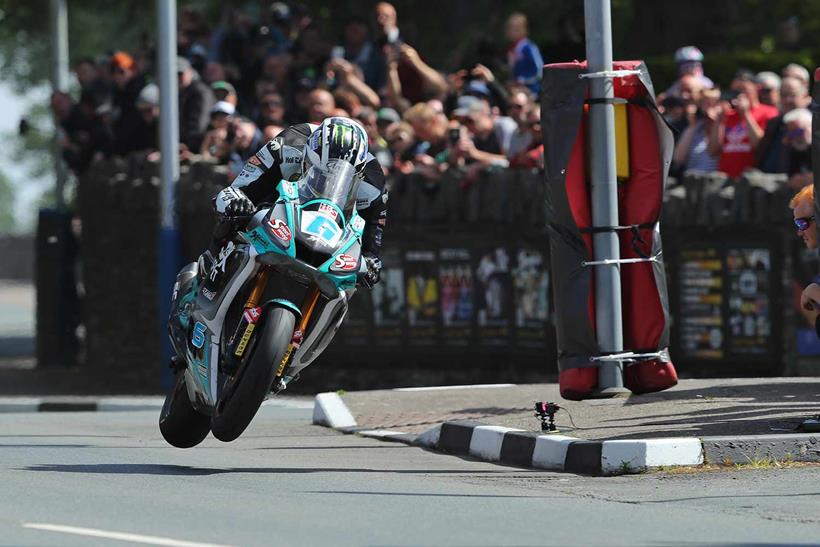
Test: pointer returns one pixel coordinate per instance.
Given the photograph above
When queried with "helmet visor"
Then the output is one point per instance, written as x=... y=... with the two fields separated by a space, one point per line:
x=336 y=183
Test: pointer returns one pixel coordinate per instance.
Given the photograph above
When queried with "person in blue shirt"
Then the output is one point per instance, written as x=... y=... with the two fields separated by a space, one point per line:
x=524 y=57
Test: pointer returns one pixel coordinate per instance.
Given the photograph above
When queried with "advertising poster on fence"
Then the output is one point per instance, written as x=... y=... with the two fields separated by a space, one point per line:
x=494 y=297
x=727 y=303
x=750 y=325
x=456 y=296
x=700 y=292
x=388 y=300
x=422 y=296
x=531 y=285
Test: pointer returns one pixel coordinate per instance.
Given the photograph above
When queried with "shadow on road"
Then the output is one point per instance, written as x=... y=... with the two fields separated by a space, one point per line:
x=184 y=470
x=425 y=494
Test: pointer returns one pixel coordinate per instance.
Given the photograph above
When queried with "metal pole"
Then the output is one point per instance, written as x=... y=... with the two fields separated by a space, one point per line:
x=815 y=145
x=169 y=246
x=604 y=184
x=58 y=15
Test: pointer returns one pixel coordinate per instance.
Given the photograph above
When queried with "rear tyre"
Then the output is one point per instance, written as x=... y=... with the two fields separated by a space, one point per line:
x=180 y=424
x=244 y=392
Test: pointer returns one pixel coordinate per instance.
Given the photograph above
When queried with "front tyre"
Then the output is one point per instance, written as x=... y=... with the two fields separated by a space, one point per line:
x=180 y=424
x=244 y=392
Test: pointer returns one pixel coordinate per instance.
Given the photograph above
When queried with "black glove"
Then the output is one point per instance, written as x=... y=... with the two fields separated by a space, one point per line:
x=232 y=202
x=372 y=274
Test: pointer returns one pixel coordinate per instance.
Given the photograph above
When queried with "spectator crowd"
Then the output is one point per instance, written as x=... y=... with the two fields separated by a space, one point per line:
x=245 y=79
x=760 y=121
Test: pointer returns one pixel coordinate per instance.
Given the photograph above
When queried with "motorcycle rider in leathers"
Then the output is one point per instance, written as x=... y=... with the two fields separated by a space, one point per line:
x=288 y=157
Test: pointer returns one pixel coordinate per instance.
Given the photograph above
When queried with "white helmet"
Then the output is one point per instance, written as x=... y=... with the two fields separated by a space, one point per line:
x=336 y=138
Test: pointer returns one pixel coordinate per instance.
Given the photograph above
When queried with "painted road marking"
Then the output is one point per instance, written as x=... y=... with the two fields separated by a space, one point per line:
x=121 y=536
x=437 y=388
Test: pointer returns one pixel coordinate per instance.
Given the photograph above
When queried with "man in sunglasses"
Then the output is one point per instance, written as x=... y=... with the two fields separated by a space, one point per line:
x=802 y=206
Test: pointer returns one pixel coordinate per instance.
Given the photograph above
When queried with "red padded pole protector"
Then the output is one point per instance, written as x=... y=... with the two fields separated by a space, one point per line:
x=576 y=384
x=640 y=199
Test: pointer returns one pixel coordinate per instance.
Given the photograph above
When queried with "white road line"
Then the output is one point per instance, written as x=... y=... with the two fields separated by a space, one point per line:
x=121 y=536
x=438 y=388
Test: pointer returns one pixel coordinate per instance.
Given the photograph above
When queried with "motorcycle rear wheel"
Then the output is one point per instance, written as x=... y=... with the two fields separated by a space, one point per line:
x=245 y=392
x=180 y=424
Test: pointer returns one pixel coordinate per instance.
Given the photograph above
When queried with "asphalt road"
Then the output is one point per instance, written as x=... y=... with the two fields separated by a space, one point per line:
x=107 y=478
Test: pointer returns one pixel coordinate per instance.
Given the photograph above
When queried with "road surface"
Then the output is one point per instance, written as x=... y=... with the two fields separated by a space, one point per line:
x=107 y=478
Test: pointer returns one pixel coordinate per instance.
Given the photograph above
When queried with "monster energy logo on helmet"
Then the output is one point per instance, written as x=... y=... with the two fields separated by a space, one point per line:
x=346 y=141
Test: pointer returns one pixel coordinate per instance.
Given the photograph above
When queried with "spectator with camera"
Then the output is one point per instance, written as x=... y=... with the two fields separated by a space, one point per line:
x=410 y=80
x=772 y=154
x=431 y=131
x=740 y=126
x=347 y=77
x=692 y=149
x=689 y=61
x=215 y=145
x=477 y=147
x=401 y=139
x=245 y=139
x=518 y=107
x=532 y=157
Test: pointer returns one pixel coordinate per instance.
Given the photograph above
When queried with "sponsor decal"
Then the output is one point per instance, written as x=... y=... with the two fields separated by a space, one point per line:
x=224 y=253
x=329 y=210
x=285 y=360
x=252 y=315
x=198 y=338
x=357 y=223
x=208 y=294
x=243 y=342
x=320 y=226
x=280 y=229
x=293 y=159
x=254 y=160
x=344 y=263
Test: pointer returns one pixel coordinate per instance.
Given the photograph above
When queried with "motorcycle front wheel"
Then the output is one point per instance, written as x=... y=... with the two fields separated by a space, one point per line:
x=180 y=424
x=245 y=392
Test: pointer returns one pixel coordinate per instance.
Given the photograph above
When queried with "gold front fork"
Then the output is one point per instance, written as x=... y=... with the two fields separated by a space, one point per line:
x=308 y=305
x=258 y=288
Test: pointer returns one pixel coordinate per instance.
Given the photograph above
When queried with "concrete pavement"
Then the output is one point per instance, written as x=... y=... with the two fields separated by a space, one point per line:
x=724 y=421
x=100 y=478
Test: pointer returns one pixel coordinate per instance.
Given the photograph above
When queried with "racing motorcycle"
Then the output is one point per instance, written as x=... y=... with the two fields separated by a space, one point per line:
x=245 y=325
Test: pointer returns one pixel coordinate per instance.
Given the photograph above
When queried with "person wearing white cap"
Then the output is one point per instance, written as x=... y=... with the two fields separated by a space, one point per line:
x=768 y=88
x=690 y=61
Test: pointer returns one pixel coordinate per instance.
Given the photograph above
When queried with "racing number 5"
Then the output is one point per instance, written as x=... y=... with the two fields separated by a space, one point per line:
x=198 y=338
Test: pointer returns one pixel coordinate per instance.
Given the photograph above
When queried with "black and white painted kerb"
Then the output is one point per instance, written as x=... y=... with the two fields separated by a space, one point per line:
x=559 y=452
x=554 y=452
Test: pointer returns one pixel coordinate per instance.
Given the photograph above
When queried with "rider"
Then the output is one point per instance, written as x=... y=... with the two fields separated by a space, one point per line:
x=289 y=156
